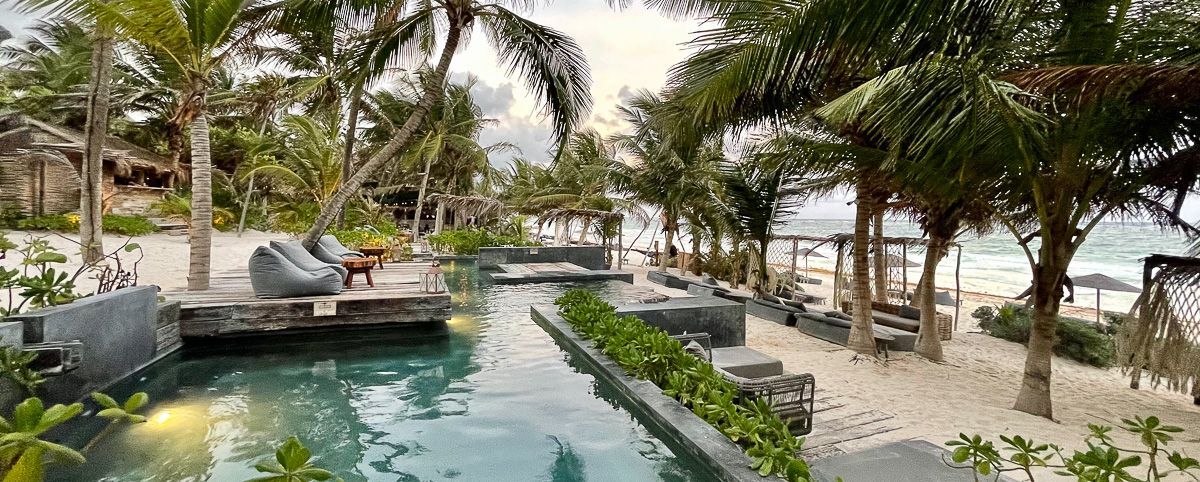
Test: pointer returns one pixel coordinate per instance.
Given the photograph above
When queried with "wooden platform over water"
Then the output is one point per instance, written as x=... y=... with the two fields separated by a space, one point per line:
x=230 y=308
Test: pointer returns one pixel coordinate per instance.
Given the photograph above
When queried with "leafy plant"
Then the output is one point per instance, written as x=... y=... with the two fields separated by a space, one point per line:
x=1103 y=460
x=1078 y=340
x=38 y=282
x=117 y=413
x=14 y=365
x=128 y=225
x=22 y=449
x=468 y=241
x=650 y=354
x=293 y=463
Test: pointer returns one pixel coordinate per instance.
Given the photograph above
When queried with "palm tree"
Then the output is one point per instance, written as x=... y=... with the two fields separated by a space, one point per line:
x=675 y=163
x=1098 y=150
x=550 y=62
x=198 y=37
x=756 y=193
x=46 y=70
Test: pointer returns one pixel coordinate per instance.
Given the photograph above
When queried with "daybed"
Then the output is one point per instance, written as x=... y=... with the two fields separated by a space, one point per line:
x=760 y=377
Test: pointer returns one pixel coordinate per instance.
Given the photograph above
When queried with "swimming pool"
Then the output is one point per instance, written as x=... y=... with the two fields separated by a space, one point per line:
x=490 y=398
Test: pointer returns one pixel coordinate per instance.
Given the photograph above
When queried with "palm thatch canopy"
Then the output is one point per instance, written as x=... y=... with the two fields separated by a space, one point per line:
x=1163 y=337
x=571 y=214
x=477 y=205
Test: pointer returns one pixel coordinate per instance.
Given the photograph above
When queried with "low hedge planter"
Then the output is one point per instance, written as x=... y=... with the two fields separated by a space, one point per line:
x=679 y=427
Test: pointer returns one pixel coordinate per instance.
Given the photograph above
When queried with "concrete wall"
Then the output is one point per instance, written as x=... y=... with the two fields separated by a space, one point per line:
x=118 y=334
x=588 y=257
x=722 y=319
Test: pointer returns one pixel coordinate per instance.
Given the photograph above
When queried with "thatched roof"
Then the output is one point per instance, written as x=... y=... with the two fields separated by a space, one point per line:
x=124 y=155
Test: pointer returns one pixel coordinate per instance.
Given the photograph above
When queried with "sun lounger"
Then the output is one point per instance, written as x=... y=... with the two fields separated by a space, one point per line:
x=273 y=276
x=790 y=395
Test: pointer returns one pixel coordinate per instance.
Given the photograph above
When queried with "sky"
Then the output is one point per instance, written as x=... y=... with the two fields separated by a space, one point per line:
x=627 y=50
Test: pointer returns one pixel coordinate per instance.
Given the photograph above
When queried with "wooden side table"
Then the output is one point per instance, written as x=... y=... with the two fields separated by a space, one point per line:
x=374 y=252
x=356 y=266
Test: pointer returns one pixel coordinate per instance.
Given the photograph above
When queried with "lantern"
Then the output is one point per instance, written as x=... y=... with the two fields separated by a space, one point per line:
x=434 y=280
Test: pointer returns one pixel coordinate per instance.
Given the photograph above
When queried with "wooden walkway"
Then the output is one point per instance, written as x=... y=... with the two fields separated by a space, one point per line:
x=835 y=421
x=229 y=307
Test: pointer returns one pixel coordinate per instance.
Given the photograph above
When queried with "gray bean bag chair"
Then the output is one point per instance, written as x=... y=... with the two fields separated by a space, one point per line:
x=273 y=276
x=329 y=250
x=294 y=251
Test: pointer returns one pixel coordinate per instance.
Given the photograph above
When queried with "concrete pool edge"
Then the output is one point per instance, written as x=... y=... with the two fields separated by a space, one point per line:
x=681 y=427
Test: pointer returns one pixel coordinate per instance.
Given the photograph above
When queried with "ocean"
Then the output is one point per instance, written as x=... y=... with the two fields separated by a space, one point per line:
x=995 y=264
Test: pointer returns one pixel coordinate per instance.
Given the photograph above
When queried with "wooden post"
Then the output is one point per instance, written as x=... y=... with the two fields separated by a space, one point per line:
x=837 y=278
x=957 y=288
x=620 y=242
x=904 y=273
x=1098 y=307
x=795 y=245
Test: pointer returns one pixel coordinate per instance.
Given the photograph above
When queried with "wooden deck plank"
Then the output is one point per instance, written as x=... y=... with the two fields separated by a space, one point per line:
x=230 y=307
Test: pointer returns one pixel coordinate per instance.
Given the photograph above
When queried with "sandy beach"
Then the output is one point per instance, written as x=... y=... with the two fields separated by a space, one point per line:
x=971 y=392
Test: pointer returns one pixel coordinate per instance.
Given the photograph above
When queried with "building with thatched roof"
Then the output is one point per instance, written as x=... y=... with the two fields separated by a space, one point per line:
x=40 y=165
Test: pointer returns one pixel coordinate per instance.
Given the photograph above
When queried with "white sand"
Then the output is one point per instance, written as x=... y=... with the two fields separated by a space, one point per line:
x=166 y=257
x=972 y=391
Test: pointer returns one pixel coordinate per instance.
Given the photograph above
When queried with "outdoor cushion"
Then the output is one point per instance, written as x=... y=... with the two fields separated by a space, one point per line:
x=828 y=320
x=778 y=313
x=794 y=304
x=746 y=362
x=693 y=348
x=294 y=251
x=910 y=312
x=897 y=322
x=708 y=279
x=329 y=250
x=273 y=276
x=839 y=315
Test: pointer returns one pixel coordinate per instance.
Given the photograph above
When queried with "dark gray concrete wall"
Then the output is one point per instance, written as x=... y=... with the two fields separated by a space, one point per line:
x=118 y=334
x=11 y=333
x=722 y=319
x=588 y=257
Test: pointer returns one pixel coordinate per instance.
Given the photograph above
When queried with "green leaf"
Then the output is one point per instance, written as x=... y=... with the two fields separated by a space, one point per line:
x=104 y=400
x=129 y=248
x=136 y=402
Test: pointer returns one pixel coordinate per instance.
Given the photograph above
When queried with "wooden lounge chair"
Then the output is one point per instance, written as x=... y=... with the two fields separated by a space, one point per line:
x=790 y=395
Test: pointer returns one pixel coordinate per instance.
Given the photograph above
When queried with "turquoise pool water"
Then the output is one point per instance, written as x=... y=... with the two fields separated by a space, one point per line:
x=491 y=398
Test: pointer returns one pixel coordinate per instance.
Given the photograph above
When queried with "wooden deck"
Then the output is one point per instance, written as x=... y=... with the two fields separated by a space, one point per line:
x=230 y=308
x=836 y=421
x=552 y=273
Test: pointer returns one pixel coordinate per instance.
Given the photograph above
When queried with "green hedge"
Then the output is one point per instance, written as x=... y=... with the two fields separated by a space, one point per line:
x=69 y=223
x=1077 y=339
x=650 y=354
x=468 y=241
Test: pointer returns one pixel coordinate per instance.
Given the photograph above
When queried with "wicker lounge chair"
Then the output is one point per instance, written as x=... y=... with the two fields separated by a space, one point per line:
x=295 y=252
x=273 y=276
x=790 y=395
x=329 y=250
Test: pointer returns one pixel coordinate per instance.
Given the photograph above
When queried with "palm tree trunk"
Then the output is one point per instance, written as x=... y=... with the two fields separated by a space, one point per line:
x=348 y=148
x=583 y=231
x=665 y=254
x=880 y=254
x=91 y=192
x=695 y=260
x=433 y=90
x=200 y=230
x=439 y=217
x=862 y=333
x=929 y=341
x=1034 y=397
x=416 y=228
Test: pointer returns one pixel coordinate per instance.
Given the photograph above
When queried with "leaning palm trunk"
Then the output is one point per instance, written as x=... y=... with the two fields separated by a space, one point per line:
x=694 y=261
x=432 y=91
x=416 y=227
x=348 y=148
x=879 y=252
x=929 y=341
x=862 y=333
x=200 y=230
x=665 y=255
x=91 y=215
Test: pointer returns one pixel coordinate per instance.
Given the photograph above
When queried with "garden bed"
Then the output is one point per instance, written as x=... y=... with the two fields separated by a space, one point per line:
x=673 y=422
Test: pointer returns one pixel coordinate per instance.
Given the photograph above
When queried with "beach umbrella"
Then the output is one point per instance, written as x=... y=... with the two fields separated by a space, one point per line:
x=805 y=253
x=1103 y=282
x=900 y=261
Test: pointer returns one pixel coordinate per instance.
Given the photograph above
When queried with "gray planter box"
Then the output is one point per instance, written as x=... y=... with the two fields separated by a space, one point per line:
x=723 y=320
x=587 y=257
x=117 y=330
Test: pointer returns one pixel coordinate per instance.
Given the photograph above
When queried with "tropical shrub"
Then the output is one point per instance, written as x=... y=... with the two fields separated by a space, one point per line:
x=650 y=354
x=293 y=463
x=1102 y=461
x=357 y=238
x=38 y=282
x=468 y=241
x=1077 y=339
x=67 y=223
x=14 y=366
x=23 y=452
x=178 y=207
x=128 y=225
